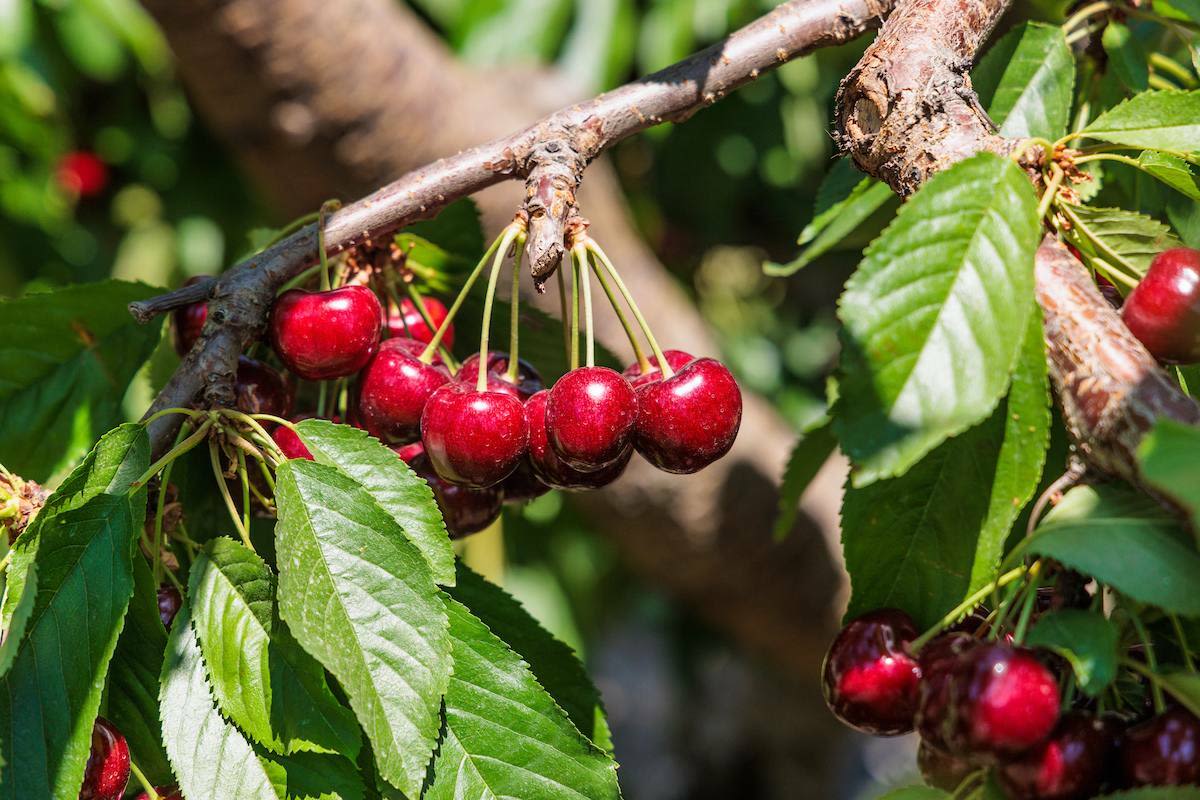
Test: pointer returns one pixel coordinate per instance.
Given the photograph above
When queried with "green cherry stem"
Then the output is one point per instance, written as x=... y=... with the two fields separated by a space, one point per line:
x=514 y=314
x=326 y=207
x=1188 y=661
x=585 y=280
x=1085 y=12
x=595 y=249
x=175 y=452
x=219 y=475
x=436 y=341
x=151 y=792
x=966 y=605
x=639 y=354
x=575 y=300
x=566 y=326
x=418 y=300
x=489 y=299
x=1056 y=177
x=1151 y=661
x=159 y=512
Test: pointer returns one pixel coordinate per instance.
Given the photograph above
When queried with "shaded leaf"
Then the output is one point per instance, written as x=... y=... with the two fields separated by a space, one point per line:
x=1025 y=81
x=1122 y=236
x=1126 y=56
x=20 y=615
x=1168 y=460
x=1158 y=120
x=928 y=316
x=1087 y=640
x=809 y=453
x=456 y=229
x=1185 y=687
x=1171 y=170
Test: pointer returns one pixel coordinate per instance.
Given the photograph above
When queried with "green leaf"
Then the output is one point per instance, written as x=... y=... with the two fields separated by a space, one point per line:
x=1126 y=540
x=1025 y=81
x=810 y=452
x=133 y=676
x=269 y=687
x=1171 y=170
x=1159 y=120
x=1168 y=460
x=1122 y=236
x=1185 y=687
x=1178 y=9
x=66 y=358
x=359 y=597
x=929 y=316
x=404 y=495
x=923 y=541
x=51 y=694
x=504 y=735
x=845 y=200
x=1086 y=639
x=598 y=51
x=456 y=229
x=915 y=793
x=15 y=632
x=554 y=664
x=1126 y=56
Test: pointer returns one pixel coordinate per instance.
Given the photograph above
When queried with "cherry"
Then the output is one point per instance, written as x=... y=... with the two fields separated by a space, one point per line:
x=169 y=602
x=552 y=470
x=260 y=389
x=324 y=335
x=164 y=792
x=409 y=452
x=937 y=660
x=689 y=420
x=407 y=322
x=524 y=484
x=1070 y=765
x=1163 y=311
x=473 y=438
x=82 y=173
x=394 y=389
x=290 y=443
x=528 y=381
x=676 y=359
x=414 y=347
x=869 y=680
x=107 y=769
x=590 y=417
x=1110 y=291
x=187 y=323
x=940 y=769
x=1163 y=751
x=464 y=510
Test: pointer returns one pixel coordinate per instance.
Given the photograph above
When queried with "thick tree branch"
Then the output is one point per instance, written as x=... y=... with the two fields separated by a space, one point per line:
x=906 y=111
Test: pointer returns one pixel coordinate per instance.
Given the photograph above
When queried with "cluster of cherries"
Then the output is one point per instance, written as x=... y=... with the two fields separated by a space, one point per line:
x=980 y=704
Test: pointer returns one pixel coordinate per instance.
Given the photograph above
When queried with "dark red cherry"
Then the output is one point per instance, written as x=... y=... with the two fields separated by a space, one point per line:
x=676 y=359
x=325 y=335
x=290 y=443
x=187 y=323
x=1163 y=311
x=169 y=602
x=689 y=420
x=260 y=389
x=1163 y=750
x=935 y=713
x=107 y=769
x=1109 y=290
x=528 y=380
x=552 y=470
x=1071 y=765
x=82 y=173
x=164 y=793
x=394 y=389
x=473 y=438
x=591 y=413
x=942 y=770
x=524 y=484
x=407 y=322
x=464 y=510
x=869 y=680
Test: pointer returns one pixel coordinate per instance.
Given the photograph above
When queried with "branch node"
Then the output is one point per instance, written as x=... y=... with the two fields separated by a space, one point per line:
x=145 y=310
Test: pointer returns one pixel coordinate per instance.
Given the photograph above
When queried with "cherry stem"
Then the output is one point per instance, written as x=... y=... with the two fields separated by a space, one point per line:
x=1183 y=643
x=290 y=228
x=160 y=510
x=321 y=399
x=595 y=249
x=1026 y=613
x=431 y=348
x=252 y=422
x=151 y=792
x=175 y=452
x=1151 y=660
x=643 y=362
x=244 y=476
x=190 y=412
x=586 y=281
x=1085 y=12
x=219 y=474
x=574 y=314
x=563 y=313
x=966 y=605
x=1177 y=70
x=326 y=207
x=514 y=314
x=419 y=301
x=510 y=235
x=1056 y=177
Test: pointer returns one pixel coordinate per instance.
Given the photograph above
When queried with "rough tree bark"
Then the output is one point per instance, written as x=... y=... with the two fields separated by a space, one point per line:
x=376 y=94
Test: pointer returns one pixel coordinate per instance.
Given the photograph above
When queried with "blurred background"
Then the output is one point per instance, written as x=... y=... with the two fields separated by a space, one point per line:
x=151 y=142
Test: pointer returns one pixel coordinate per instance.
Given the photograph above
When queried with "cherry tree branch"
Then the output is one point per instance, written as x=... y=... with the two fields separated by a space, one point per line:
x=241 y=298
x=906 y=111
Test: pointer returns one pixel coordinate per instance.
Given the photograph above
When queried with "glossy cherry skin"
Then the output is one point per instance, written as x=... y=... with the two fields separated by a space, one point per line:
x=187 y=323
x=591 y=413
x=937 y=659
x=407 y=321
x=676 y=359
x=107 y=769
x=464 y=510
x=869 y=680
x=528 y=380
x=325 y=335
x=689 y=420
x=942 y=770
x=416 y=348
x=473 y=438
x=164 y=792
x=169 y=602
x=394 y=389
x=1163 y=750
x=524 y=484
x=1163 y=311
x=290 y=443
x=552 y=470
x=1071 y=765
x=260 y=389
x=82 y=173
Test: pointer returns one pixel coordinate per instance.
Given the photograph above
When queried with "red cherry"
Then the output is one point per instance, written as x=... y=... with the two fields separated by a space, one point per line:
x=407 y=322
x=1163 y=751
x=464 y=510
x=82 y=173
x=869 y=680
x=676 y=359
x=324 y=335
x=552 y=470
x=689 y=420
x=1163 y=311
x=187 y=323
x=473 y=438
x=290 y=443
x=169 y=602
x=528 y=380
x=394 y=389
x=942 y=770
x=409 y=452
x=937 y=659
x=260 y=389
x=107 y=769
x=590 y=417
x=1070 y=765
